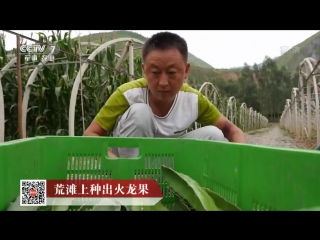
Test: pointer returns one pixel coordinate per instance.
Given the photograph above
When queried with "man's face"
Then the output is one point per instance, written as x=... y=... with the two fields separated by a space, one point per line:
x=165 y=72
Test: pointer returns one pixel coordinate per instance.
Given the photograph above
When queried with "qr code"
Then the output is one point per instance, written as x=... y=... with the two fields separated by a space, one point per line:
x=33 y=192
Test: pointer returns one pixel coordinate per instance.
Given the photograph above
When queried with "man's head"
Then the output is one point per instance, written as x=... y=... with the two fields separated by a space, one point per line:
x=165 y=64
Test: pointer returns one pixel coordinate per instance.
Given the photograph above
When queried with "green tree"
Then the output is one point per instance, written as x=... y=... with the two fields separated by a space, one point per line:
x=248 y=89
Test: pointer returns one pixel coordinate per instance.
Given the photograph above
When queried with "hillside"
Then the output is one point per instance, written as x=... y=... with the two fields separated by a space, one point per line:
x=291 y=59
x=107 y=36
x=200 y=71
x=308 y=48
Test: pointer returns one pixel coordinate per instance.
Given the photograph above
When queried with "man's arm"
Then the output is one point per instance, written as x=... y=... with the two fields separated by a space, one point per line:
x=209 y=115
x=105 y=120
x=95 y=130
x=107 y=117
x=230 y=131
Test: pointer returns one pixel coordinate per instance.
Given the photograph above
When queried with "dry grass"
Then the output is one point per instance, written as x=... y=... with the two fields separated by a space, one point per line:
x=258 y=131
x=302 y=142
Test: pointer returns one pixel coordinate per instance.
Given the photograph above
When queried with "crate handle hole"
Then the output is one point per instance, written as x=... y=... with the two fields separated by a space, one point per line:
x=124 y=152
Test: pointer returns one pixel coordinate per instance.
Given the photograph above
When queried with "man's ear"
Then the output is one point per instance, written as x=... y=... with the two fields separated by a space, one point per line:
x=143 y=69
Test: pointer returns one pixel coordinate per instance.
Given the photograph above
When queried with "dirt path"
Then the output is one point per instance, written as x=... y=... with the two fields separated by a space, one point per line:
x=272 y=136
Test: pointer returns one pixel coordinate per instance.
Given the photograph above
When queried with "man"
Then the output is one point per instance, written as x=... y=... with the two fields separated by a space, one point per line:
x=161 y=104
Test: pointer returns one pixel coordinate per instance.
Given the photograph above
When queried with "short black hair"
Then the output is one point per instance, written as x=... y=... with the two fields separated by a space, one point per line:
x=165 y=41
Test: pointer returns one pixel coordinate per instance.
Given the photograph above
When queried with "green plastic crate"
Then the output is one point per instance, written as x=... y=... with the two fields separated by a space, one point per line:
x=252 y=177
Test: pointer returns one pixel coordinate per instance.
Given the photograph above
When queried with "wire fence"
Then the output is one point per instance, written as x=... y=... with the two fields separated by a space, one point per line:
x=301 y=113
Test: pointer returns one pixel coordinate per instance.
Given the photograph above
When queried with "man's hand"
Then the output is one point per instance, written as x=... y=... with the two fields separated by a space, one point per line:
x=230 y=131
x=112 y=155
x=95 y=130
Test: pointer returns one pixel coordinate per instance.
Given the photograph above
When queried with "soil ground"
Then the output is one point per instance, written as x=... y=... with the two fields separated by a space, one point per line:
x=276 y=137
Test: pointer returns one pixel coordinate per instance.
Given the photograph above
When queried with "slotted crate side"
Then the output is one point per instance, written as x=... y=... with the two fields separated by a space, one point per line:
x=252 y=177
x=18 y=160
x=60 y=157
x=263 y=178
x=221 y=169
x=85 y=158
x=70 y=158
x=279 y=179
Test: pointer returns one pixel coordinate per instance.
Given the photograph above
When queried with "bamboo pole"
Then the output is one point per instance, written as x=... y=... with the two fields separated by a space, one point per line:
x=19 y=83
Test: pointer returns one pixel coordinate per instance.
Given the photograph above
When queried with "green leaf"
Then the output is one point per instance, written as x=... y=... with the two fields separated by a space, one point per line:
x=106 y=208
x=221 y=202
x=159 y=207
x=34 y=107
x=60 y=208
x=44 y=209
x=57 y=91
x=139 y=208
x=188 y=189
x=179 y=205
x=60 y=131
x=84 y=208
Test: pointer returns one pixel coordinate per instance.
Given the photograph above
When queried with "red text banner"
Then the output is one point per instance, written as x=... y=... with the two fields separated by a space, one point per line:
x=103 y=189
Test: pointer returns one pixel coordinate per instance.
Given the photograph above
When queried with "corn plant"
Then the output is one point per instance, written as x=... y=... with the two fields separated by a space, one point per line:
x=51 y=91
x=10 y=92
